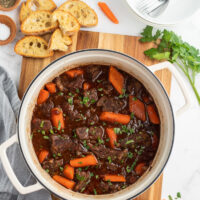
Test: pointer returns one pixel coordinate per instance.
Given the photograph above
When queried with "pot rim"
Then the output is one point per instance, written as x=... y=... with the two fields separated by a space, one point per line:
x=101 y=50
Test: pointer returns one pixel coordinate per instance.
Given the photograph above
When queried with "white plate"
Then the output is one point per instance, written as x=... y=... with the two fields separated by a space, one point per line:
x=176 y=12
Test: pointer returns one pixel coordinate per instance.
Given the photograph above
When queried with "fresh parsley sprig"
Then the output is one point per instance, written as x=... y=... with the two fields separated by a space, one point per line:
x=169 y=46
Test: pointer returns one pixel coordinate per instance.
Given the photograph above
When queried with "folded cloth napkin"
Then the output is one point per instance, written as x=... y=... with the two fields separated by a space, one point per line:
x=9 y=108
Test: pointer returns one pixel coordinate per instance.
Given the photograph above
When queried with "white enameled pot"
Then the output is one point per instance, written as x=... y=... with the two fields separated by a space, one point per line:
x=94 y=56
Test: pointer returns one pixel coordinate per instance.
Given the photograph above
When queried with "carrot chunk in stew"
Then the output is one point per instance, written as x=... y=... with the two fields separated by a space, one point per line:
x=114 y=178
x=43 y=96
x=57 y=118
x=115 y=117
x=137 y=107
x=74 y=72
x=84 y=162
x=63 y=181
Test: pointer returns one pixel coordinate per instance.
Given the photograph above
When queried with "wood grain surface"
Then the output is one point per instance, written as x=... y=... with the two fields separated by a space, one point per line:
x=84 y=40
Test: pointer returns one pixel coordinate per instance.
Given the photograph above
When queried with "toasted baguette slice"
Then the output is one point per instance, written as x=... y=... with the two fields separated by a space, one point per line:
x=25 y=11
x=84 y=14
x=67 y=23
x=59 y=42
x=38 y=23
x=41 y=5
x=33 y=46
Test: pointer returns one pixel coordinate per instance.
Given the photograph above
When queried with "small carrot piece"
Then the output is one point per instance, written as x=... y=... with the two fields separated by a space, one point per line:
x=137 y=107
x=51 y=87
x=104 y=7
x=153 y=116
x=43 y=96
x=139 y=169
x=43 y=155
x=57 y=118
x=68 y=171
x=63 y=181
x=88 y=160
x=112 y=136
x=115 y=117
x=117 y=80
x=114 y=178
x=86 y=86
x=74 y=72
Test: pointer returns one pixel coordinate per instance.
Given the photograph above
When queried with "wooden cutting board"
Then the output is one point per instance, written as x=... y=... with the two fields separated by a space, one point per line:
x=84 y=40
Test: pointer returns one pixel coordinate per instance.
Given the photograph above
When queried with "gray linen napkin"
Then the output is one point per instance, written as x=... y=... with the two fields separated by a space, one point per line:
x=9 y=108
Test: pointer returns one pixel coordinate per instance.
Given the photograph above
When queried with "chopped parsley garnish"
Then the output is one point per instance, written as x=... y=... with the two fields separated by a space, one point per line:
x=85 y=100
x=43 y=132
x=59 y=125
x=123 y=95
x=129 y=141
x=80 y=162
x=60 y=93
x=46 y=137
x=54 y=155
x=51 y=131
x=99 y=81
x=134 y=98
x=31 y=136
x=97 y=176
x=47 y=170
x=80 y=169
x=80 y=178
x=109 y=159
x=100 y=141
x=92 y=123
x=70 y=100
x=77 y=90
x=100 y=89
x=132 y=115
x=107 y=139
x=128 y=169
x=42 y=124
x=59 y=154
x=92 y=101
x=130 y=155
x=61 y=169
x=117 y=130
x=91 y=174
x=95 y=192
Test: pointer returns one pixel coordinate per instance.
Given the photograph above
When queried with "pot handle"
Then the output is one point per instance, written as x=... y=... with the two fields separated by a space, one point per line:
x=9 y=171
x=185 y=91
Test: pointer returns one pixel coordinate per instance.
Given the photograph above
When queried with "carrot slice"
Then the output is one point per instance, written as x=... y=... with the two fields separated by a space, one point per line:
x=84 y=162
x=114 y=178
x=68 y=171
x=74 y=72
x=57 y=118
x=140 y=168
x=112 y=136
x=137 y=107
x=86 y=86
x=63 y=181
x=116 y=78
x=43 y=155
x=153 y=116
x=104 y=7
x=51 y=87
x=115 y=117
x=43 y=96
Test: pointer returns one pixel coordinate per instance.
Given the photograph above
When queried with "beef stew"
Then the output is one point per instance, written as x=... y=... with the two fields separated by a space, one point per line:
x=95 y=129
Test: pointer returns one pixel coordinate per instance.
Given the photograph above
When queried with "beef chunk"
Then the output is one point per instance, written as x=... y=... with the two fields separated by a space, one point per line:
x=82 y=133
x=137 y=139
x=77 y=82
x=52 y=165
x=70 y=111
x=94 y=72
x=131 y=179
x=110 y=104
x=61 y=143
x=59 y=84
x=107 y=87
x=45 y=108
x=39 y=124
x=111 y=166
x=96 y=132
x=91 y=95
x=135 y=87
x=83 y=180
x=93 y=119
x=102 y=152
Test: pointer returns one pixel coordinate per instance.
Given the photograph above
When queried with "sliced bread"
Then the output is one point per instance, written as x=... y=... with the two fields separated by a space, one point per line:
x=67 y=22
x=24 y=12
x=84 y=14
x=41 y=5
x=33 y=46
x=59 y=42
x=38 y=23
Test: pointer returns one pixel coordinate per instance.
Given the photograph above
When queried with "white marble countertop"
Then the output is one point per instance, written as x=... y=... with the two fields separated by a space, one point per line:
x=182 y=173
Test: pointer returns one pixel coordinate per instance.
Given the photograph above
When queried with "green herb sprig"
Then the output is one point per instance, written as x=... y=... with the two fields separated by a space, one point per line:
x=172 y=48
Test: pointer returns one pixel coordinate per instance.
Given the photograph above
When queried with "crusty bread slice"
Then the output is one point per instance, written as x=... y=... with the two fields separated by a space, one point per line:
x=38 y=23
x=24 y=12
x=67 y=23
x=33 y=46
x=41 y=5
x=84 y=14
x=59 y=42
